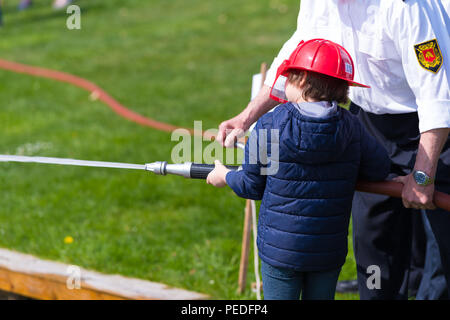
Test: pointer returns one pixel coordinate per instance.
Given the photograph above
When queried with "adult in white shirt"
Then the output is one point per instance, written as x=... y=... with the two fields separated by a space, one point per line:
x=402 y=50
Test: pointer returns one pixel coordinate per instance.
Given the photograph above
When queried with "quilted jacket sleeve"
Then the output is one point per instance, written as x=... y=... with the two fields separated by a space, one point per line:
x=375 y=163
x=249 y=183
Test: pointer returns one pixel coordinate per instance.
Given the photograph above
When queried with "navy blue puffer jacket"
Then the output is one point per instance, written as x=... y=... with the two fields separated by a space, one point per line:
x=306 y=204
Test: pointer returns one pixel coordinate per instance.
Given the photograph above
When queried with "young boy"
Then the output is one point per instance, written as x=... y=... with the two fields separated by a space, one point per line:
x=323 y=151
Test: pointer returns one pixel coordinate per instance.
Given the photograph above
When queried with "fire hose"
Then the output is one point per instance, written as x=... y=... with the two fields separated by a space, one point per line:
x=200 y=171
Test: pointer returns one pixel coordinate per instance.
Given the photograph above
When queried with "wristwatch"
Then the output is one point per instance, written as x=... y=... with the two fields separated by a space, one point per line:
x=422 y=179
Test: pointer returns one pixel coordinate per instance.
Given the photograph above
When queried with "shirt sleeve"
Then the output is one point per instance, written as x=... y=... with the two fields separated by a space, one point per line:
x=284 y=53
x=421 y=34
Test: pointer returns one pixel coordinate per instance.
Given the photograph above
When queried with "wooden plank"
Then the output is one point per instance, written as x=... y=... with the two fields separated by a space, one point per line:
x=246 y=236
x=32 y=277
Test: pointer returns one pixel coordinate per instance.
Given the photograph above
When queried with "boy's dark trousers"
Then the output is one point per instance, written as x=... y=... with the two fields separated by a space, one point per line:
x=382 y=227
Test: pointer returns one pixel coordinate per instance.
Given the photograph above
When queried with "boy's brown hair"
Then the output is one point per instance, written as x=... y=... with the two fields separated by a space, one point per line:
x=320 y=86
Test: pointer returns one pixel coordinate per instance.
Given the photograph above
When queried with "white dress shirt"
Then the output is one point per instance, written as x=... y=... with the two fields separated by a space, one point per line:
x=380 y=35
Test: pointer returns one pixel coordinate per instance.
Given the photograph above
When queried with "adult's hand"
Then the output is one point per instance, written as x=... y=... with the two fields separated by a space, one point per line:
x=415 y=196
x=231 y=130
x=430 y=147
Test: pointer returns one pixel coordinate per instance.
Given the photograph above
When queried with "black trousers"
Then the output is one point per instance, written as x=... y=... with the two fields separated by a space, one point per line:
x=385 y=233
x=433 y=285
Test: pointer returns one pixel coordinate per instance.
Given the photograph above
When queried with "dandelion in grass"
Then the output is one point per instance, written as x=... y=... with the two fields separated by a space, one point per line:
x=68 y=240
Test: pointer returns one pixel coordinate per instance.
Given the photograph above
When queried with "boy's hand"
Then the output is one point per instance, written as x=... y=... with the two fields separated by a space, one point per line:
x=217 y=176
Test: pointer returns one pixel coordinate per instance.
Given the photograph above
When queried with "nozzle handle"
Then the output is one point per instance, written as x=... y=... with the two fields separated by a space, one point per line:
x=201 y=171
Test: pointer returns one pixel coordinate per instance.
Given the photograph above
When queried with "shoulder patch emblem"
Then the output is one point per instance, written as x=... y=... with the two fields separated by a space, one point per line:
x=429 y=55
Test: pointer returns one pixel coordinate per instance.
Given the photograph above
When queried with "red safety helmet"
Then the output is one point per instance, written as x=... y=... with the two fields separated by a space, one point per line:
x=317 y=55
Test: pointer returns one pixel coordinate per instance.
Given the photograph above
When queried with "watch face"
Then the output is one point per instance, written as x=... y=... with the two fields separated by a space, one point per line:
x=420 y=177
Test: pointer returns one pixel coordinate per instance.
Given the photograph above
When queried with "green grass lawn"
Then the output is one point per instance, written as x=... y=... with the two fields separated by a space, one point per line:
x=176 y=61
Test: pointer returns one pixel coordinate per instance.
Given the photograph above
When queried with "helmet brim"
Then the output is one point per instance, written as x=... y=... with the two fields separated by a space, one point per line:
x=356 y=84
x=350 y=82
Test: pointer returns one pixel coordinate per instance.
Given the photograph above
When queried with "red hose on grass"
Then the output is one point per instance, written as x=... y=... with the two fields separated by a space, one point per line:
x=91 y=87
x=389 y=188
